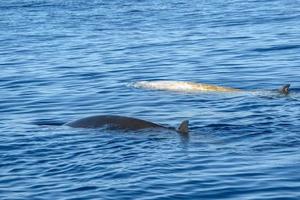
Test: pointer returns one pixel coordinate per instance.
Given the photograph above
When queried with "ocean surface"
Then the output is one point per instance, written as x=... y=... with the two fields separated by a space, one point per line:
x=62 y=60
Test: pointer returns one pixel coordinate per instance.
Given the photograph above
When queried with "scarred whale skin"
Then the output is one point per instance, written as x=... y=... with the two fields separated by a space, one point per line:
x=182 y=86
x=185 y=86
x=122 y=123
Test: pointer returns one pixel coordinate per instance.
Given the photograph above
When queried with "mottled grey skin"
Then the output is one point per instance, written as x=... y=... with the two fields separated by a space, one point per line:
x=186 y=86
x=122 y=123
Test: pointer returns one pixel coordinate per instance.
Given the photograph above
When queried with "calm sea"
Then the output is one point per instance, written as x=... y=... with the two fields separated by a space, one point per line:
x=62 y=60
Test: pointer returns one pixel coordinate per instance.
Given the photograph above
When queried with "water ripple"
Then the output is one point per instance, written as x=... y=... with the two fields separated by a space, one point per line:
x=64 y=60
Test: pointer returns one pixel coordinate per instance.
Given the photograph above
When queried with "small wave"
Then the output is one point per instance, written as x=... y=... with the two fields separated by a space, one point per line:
x=276 y=48
x=47 y=122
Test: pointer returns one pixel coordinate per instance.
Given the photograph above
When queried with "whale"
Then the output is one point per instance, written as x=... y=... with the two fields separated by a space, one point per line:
x=186 y=86
x=116 y=122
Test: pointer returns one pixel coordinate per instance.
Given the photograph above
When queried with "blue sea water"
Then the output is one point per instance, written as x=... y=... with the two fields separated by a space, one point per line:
x=61 y=60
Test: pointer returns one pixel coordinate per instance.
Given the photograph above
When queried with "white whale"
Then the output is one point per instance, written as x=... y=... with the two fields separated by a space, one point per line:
x=182 y=86
x=186 y=86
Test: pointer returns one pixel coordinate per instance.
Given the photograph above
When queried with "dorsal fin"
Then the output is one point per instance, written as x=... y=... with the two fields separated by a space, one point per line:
x=285 y=89
x=184 y=127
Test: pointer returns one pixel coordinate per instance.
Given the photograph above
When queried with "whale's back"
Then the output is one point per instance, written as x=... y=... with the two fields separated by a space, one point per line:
x=113 y=122
x=182 y=86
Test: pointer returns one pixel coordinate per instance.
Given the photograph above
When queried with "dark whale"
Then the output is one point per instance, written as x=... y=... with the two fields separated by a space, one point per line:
x=285 y=89
x=123 y=123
